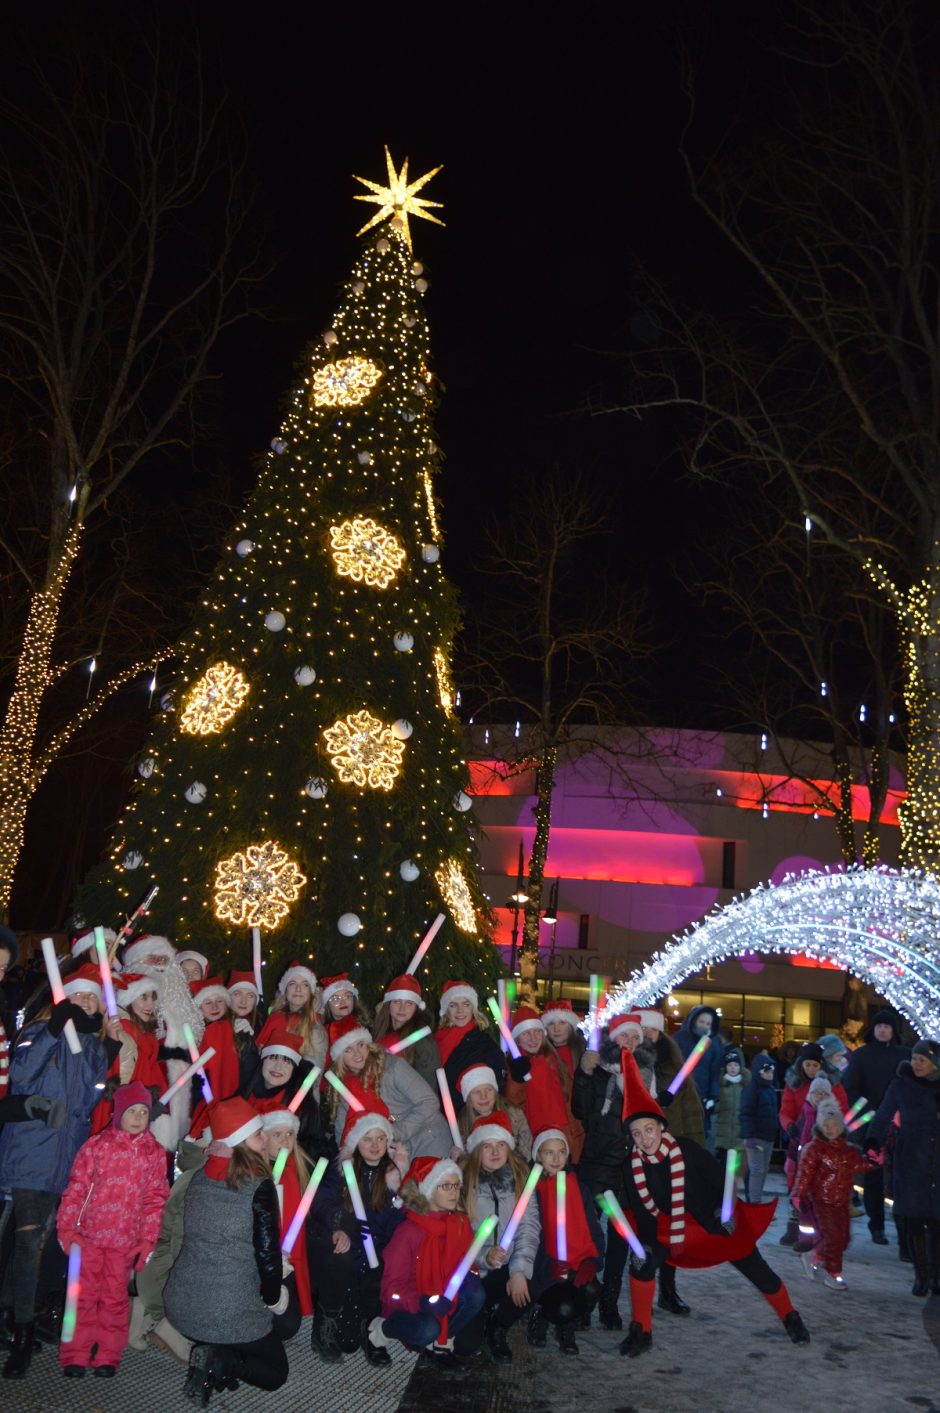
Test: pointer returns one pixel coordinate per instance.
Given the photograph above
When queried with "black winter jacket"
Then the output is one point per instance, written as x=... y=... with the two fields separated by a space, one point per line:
x=916 y=1159
x=606 y=1140
x=759 y=1110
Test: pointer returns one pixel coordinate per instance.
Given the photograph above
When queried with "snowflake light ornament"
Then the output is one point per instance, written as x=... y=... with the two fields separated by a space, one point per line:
x=211 y=702
x=365 y=552
x=346 y=382
x=455 y=891
x=364 y=751
x=257 y=887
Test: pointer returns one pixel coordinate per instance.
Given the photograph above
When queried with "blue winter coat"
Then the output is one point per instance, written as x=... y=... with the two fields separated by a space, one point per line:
x=916 y=1159
x=32 y=1155
x=759 y=1110
x=707 y=1072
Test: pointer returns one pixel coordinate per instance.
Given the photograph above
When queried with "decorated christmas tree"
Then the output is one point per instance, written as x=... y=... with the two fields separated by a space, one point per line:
x=306 y=776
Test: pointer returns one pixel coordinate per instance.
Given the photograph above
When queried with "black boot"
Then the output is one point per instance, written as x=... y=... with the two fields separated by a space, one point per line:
x=199 y=1382
x=917 y=1237
x=376 y=1354
x=904 y=1246
x=607 y=1306
x=21 y=1352
x=669 y=1298
x=638 y=1341
x=537 y=1327
x=6 y=1327
x=877 y=1234
x=792 y=1234
x=324 y=1339
x=933 y=1256
x=795 y=1328
x=496 y=1341
x=566 y=1340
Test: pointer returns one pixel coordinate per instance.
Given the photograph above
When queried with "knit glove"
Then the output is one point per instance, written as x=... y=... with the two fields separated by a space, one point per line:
x=243 y=1026
x=437 y=1305
x=50 y=1111
x=664 y=1099
x=519 y=1069
x=642 y=1270
x=62 y=1013
x=282 y=1302
x=585 y=1273
x=139 y=1256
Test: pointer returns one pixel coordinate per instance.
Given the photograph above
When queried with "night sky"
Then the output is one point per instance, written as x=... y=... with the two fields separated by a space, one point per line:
x=558 y=131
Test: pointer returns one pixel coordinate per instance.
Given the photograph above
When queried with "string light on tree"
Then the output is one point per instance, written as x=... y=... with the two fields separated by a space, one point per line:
x=211 y=703
x=365 y=552
x=257 y=887
x=364 y=751
x=452 y=882
x=345 y=383
x=445 y=686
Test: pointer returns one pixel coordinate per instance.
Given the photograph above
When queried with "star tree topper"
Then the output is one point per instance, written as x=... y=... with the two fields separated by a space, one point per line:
x=398 y=199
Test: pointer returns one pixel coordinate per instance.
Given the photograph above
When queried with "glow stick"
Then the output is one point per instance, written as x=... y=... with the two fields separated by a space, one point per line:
x=447 y=1104
x=595 y=1002
x=479 y=1241
x=194 y=1055
x=70 y=1313
x=856 y=1108
x=861 y=1121
x=429 y=937
x=518 y=1212
x=280 y=1163
x=256 y=957
x=58 y=993
x=731 y=1172
x=561 y=1216
x=411 y=1039
x=187 y=1075
x=104 y=965
x=501 y=993
x=355 y=1196
x=504 y=1030
x=690 y=1064
x=309 y=1080
x=141 y=910
x=609 y=1204
x=303 y=1206
x=343 y=1092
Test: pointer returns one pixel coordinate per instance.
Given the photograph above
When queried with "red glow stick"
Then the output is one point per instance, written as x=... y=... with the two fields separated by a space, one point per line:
x=429 y=937
x=104 y=964
x=308 y=1082
x=690 y=1064
x=447 y=1104
x=58 y=992
x=332 y=1078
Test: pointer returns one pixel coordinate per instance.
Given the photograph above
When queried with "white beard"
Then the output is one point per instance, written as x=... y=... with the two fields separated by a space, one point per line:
x=175 y=1009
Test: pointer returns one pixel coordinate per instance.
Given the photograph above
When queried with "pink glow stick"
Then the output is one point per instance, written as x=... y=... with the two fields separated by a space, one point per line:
x=303 y=1206
x=429 y=937
x=58 y=992
x=411 y=1039
x=308 y=1082
x=447 y=1104
x=187 y=1075
x=503 y=998
x=690 y=1064
x=483 y=1235
x=518 y=1212
x=104 y=964
x=612 y=1207
x=561 y=1215
x=332 y=1078
x=194 y=1055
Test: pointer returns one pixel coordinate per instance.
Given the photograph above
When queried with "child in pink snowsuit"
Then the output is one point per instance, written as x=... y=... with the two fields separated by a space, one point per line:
x=112 y=1208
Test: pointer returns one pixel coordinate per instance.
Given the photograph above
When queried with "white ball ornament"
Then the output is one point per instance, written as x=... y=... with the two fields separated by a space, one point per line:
x=358 y=287
x=349 y=924
x=364 y=458
x=409 y=322
x=304 y=676
x=408 y=414
x=402 y=728
x=145 y=767
x=244 y=548
x=275 y=621
x=462 y=801
x=417 y=268
x=382 y=246
x=316 y=787
x=167 y=702
x=420 y=388
x=196 y=792
x=409 y=871
x=421 y=286
x=330 y=337
x=278 y=446
x=430 y=554
x=404 y=642
x=131 y=860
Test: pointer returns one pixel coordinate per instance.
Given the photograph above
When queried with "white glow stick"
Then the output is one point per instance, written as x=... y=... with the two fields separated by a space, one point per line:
x=107 y=981
x=411 y=1039
x=518 y=1212
x=355 y=1196
x=256 y=957
x=58 y=993
x=308 y=1082
x=194 y=1056
x=303 y=1206
x=187 y=1075
x=332 y=1078
x=479 y=1241
x=504 y=1030
x=447 y=1104
x=429 y=937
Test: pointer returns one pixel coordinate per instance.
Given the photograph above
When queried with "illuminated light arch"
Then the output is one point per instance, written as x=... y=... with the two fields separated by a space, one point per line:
x=880 y=924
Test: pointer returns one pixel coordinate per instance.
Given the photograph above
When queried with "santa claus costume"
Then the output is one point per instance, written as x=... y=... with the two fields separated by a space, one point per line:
x=155 y=957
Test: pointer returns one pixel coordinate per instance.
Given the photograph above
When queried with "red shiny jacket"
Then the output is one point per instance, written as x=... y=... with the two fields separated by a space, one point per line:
x=827 y=1171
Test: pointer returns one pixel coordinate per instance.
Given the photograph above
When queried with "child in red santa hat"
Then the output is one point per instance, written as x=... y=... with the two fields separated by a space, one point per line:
x=567 y=1266
x=540 y=1083
x=401 y=1013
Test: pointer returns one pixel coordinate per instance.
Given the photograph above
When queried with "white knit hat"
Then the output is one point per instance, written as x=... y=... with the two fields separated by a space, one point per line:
x=147 y=946
x=472 y=1079
x=280 y=1118
x=544 y=1136
x=297 y=972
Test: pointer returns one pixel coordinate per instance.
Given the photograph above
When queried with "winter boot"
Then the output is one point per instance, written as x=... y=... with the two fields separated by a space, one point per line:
x=164 y=1336
x=375 y=1342
x=792 y=1234
x=638 y=1341
x=607 y=1306
x=21 y=1352
x=6 y=1327
x=496 y=1341
x=199 y=1381
x=537 y=1327
x=795 y=1328
x=917 y=1236
x=878 y=1234
x=669 y=1298
x=324 y=1335
x=140 y=1326
x=933 y=1256
x=566 y=1340
x=904 y=1246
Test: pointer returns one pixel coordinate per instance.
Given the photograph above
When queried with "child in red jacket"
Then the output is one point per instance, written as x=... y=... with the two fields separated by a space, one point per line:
x=111 y=1208
x=826 y=1175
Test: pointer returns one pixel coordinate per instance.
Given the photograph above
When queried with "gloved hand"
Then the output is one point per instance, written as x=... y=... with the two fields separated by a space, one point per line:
x=709 y=1105
x=51 y=1111
x=665 y=1099
x=364 y=1230
x=156 y=1110
x=140 y=1255
x=282 y=1302
x=642 y=1270
x=590 y=1061
x=242 y=1025
x=518 y=1068
x=63 y=1012
x=875 y=1155
x=728 y=1227
x=437 y=1305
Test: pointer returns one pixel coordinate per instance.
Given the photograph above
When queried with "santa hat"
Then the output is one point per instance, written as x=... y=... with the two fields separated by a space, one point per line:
x=297 y=972
x=525 y=1018
x=428 y=1173
x=544 y=1136
x=653 y=1020
x=283 y=1042
x=126 y=1096
x=638 y=1103
x=332 y=985
x=147 y=946
x=211 y=988
x=242 y=981
x=561 y=1010
x=130 y=986
x=491 y=1128
x=87 y=978
x=346 y=1032
x=375 y=1115
x=458 y=991
x=280 y=1118
x=629 y=1022
x=231 y=1121
x=84 y=941
x=404 y=988
x=191 y=956
x=472 y=1079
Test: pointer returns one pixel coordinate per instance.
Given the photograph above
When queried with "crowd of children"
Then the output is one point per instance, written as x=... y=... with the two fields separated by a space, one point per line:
x=222 y=1268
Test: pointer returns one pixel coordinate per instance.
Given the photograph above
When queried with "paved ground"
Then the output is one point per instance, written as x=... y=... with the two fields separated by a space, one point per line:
x=875 y=1349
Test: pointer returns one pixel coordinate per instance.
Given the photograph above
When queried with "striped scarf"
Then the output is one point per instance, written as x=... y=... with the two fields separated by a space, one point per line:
x=4 y=1062
x=670 y=1151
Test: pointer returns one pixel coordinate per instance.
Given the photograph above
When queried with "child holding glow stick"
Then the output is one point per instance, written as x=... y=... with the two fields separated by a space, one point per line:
x=366 y=1067
x=570 y=1288
x=280 y=1074
x=348 y=1289
x=223 y=1070
x=826 y=1175
x=463 y=1037
x=402 y=1012
x=112 y=1207
x=540 y=1083
x=297 y=1007
x=280 y=1128
x=420 y=1259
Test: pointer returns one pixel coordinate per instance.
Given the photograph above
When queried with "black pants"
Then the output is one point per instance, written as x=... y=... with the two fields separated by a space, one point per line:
x=33 y=1214
x=873 y=1196
x=755 y=1269
x=344 y=1289
x=499 y=1304
x=262 y=1363
x=563 y=1301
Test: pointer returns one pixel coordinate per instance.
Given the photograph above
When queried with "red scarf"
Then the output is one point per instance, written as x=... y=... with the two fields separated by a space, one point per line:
x=147 y=1067
x=448 y=1037
x=545 y=1103
x=580 y=1242
x=221 y=1070
x=290 y=1183
x=447 y=1238
x=566 y=1057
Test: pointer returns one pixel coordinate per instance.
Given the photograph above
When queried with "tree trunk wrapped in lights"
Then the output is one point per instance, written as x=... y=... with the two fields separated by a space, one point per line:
x=309 y=778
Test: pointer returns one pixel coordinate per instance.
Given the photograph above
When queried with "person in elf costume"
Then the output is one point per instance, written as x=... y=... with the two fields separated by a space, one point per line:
x=674 y=1194
x=569 y=1278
